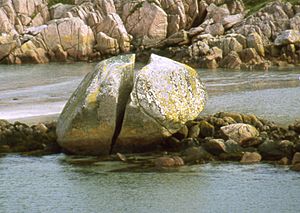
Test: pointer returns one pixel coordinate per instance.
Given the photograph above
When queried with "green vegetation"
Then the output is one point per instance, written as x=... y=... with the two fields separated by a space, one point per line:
x=53 y=2
x=255 y=5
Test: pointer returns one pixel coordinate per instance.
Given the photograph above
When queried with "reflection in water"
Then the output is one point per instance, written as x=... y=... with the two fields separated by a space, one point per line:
x=49 y=184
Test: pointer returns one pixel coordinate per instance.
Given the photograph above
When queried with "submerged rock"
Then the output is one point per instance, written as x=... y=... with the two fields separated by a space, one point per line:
x=112 y=110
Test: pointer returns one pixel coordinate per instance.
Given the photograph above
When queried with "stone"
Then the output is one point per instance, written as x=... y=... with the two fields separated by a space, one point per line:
x=168 y=162
x=76 y=38
x=217 y=14
x=231 y=61
x=194 y=131
x=158 y=109
x=295 y=22
x=287 y=37
x=251 y=157
x=106 y=44
x=254 y=41
x=7 y=44
x=179 y=38
x=296 y=158
x=235 y=6
x=87 y=123
x=195 y=31
x=113 y=27
x=145 y=21
x=182 y=133
x=206 y=129
x=239 y=132
x=215 y=29
x=270 y=150
x=283 y=161
x=297 y=127
x=214 y=53
x=215 y=146
x=250 y=56
x=196 y=155
x=59 y=10
x=121 y=157
x=231 y=20
x=237 y=117
x=191 y=12
x=60 y=54
x=295 y=167
x=287 y=147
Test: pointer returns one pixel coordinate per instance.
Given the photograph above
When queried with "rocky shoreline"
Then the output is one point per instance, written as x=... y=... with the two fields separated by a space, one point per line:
x=224 y=136
x=202 y=33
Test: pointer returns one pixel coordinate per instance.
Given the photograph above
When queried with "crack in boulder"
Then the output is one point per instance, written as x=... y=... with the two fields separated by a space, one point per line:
x=119 y=109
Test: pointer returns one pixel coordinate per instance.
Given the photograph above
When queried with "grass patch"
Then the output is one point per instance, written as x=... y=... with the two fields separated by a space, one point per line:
x=256 y=5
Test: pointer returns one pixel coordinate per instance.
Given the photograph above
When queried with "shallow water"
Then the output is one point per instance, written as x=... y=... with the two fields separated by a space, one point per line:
x=36 y=92
x=52 y=184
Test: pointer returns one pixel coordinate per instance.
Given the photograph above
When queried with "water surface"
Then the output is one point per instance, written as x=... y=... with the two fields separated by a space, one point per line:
x=41 y=91
x=52 y=184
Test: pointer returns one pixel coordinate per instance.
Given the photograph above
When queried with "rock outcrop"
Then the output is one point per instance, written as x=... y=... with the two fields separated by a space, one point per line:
x=174 y=28
x=115 y=109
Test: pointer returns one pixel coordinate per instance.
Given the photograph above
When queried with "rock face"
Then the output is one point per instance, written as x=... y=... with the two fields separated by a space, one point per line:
x=111 y=110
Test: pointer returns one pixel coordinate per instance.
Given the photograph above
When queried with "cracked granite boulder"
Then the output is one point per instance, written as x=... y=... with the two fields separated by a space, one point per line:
x=119 y=109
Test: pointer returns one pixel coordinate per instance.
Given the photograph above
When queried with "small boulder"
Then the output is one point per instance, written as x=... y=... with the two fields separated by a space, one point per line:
x=255 y=41
x=164 y=162
x=215 y=146
x=296 y=158
x=231 y=61
x=251 y=157
x=196 y=155
x=206 y=129
x=287 y=37
x=240 y=131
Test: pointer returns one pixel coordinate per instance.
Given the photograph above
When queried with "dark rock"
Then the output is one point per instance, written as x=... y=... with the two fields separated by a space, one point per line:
x=194 y=131
x=215 y=146
x=206 y=129
x=287 y=147
x=196 y=155
x=182 y=133
x=270 y=150
x=251 y=142
x=297 y=127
